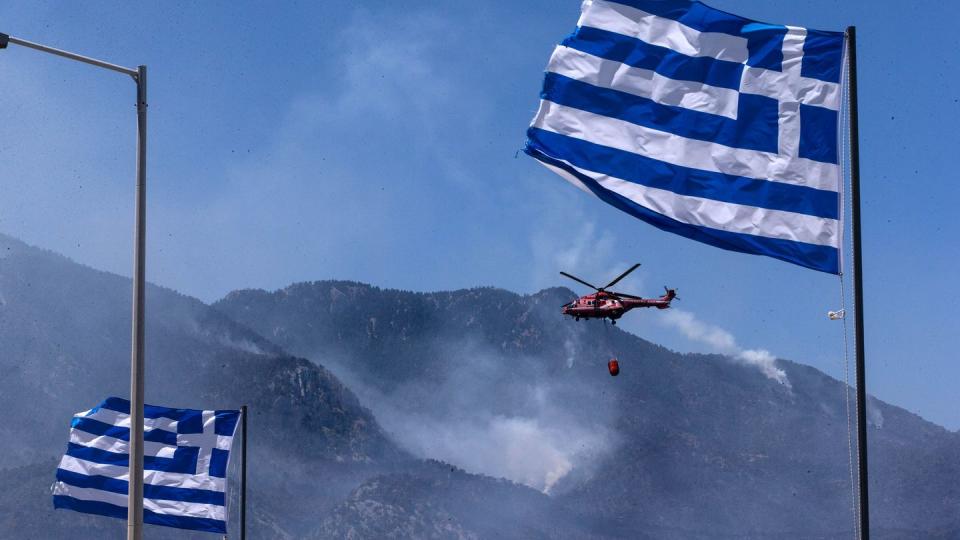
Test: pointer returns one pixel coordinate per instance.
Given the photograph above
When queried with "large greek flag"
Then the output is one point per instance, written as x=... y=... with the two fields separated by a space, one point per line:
x=185 y=465
x=702 y=123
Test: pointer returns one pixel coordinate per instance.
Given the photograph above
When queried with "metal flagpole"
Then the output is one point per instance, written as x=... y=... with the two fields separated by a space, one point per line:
x=135 y=490
x=135 y=495
x=858 y=287
x=243 y=475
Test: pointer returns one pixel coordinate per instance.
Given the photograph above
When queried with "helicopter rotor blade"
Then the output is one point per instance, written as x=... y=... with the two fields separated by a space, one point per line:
x=575 y=278
x=621 y=276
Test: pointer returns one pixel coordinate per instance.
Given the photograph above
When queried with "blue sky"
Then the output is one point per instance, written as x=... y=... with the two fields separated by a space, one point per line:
x=378 y=141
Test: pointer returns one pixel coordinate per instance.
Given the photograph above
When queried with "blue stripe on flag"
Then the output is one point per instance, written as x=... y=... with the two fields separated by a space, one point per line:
x=97 y=427
x=822 y=55
x=184 y=461
x=683 y=180
x=96 y=455
x=764 y=41
x=150 y=491
x=218 y=463
x=225 y=423
x=765 y=45
x=153 y=518
x=822 y=258
x=756 y=129
x=185 y=522
x=189 y=417
x=667 y=62
x=95 y=481
x=818 y=133
x=90 y=507
x=160 y=436
x=184 y=458
x=171 y=493
x=693 y=14
x=191 y=421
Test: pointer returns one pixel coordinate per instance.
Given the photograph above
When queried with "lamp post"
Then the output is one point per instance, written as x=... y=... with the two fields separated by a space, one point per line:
x=139 y=75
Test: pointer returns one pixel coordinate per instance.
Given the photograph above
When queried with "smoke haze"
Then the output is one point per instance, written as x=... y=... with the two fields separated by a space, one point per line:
x=494 y=415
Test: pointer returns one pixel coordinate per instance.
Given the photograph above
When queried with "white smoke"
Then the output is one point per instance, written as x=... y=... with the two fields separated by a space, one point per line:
x=723 y=342
x=874 y=414
x=488 y=414
x=586 y=250
x=530 y=450
x=569 y=349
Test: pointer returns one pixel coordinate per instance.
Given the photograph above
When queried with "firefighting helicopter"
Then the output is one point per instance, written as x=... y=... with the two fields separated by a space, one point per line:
x=605 y=304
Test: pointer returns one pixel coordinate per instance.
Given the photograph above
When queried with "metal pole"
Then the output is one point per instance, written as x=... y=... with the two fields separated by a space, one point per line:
x=135 y=489
x=135 y=492
x=858 y=287
x=72 y=56
x=243 y=476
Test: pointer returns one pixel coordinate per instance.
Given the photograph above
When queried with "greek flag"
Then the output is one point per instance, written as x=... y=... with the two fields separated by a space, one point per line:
x=702 y=123
x=185 y=465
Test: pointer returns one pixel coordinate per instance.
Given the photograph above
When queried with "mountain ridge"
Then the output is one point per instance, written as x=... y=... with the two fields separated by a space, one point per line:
x=697 y=440
x=356 y=385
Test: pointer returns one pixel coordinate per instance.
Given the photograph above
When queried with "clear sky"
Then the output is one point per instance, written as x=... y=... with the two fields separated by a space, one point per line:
x=378 y=141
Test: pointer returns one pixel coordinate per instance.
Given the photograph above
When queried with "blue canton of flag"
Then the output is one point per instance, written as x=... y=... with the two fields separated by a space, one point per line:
x=186 y=453
x=702 y=123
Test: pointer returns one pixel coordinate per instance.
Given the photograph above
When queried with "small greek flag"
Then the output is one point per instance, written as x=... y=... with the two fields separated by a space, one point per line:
x=186 y=453
x=702 y=123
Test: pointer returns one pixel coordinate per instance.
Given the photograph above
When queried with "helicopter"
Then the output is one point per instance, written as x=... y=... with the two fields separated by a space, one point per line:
x=605 y=304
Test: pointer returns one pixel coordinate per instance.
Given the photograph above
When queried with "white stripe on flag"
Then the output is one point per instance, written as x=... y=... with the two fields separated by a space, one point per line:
x=632 y=22
x=173 y=508
x=605 y=73
x=156 y=478
x=567 y=176
x=724 y=216
x=677 y=150
x=119 y=419
x=117 y=446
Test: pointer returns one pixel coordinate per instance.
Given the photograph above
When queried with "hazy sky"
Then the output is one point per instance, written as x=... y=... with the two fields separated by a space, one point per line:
x=378 y=141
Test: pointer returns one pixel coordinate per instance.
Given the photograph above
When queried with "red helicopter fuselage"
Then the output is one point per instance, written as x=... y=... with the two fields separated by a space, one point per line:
x=604 y=305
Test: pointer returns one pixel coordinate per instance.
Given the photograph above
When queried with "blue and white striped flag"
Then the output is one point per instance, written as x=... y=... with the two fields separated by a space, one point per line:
x=186 y=452
x=702 y=123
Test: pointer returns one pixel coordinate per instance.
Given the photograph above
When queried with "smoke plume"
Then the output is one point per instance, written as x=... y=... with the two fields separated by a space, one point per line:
x=723 y=342
x=505 y=417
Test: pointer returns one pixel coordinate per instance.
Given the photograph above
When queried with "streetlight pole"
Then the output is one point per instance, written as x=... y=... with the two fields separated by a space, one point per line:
x=139 y=75
x=135 y=492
